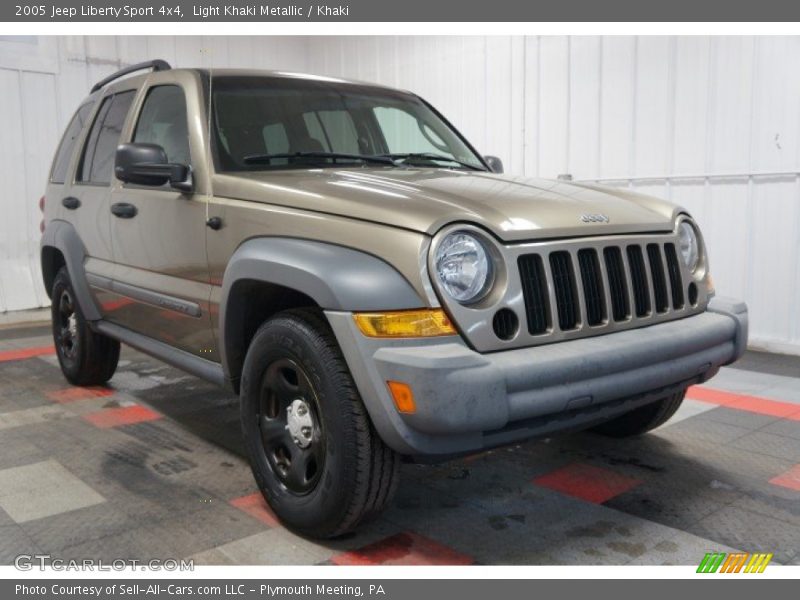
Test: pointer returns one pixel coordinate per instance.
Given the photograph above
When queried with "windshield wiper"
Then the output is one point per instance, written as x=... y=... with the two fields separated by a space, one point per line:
x=431 y=156
x=254 y=159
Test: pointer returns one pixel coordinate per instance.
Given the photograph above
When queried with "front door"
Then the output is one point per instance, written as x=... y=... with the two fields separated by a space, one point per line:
x=159 y=239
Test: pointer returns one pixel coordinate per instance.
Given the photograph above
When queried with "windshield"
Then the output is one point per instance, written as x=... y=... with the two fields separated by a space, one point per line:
x=262 y=123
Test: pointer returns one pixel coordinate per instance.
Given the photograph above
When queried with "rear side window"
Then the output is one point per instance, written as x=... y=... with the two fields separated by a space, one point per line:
x=67 y=145
x=163 y=121
x=98 y=153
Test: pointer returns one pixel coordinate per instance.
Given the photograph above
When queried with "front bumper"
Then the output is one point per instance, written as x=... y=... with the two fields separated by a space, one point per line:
x=467 y=401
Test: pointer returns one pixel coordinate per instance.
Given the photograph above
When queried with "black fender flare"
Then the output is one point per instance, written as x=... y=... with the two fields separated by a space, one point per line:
x=63 y=236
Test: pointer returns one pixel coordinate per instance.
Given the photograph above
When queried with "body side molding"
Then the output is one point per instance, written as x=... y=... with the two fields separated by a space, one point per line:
x=148 y=296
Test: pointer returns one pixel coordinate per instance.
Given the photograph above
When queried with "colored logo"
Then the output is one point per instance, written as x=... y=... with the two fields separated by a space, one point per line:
x=737 y=562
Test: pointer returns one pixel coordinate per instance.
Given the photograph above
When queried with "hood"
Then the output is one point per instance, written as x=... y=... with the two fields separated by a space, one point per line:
x=424 y=200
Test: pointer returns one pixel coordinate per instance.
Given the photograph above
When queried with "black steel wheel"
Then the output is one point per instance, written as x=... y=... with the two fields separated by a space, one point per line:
x=291 y=431
x=314 y=452
x=65 y=327
x=85 y=356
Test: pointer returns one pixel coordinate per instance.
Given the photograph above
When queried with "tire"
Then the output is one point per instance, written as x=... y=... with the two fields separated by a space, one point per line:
x=313 y=450
x=86 y=357
x=642 y=419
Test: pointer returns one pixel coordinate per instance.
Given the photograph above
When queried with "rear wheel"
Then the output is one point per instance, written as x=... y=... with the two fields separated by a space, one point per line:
x=642 y=419
x=86 y=357
x=314 y=453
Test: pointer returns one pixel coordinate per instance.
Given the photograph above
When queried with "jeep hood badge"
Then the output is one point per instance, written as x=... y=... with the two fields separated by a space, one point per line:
x=595 y=218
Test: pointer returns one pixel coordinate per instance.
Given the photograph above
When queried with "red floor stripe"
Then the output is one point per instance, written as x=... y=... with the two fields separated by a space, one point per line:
x=24 y=353
x=405 y=548
x=255 y=506
x=73 y=394
x=790 y=479
x=753 y=404
x=587 y=482
x=116 y=417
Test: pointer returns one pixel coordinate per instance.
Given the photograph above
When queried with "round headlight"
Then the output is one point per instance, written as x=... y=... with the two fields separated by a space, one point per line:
x=463 y=267
x=689 y=245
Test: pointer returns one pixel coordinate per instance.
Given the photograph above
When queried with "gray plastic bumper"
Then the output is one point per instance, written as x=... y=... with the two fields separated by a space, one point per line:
x=467 y=401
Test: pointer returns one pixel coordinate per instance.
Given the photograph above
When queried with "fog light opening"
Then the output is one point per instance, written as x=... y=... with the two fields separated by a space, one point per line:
x=693 y=294
x=505 y=324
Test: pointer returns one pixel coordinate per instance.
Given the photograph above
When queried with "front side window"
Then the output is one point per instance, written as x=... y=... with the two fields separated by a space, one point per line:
x=264 y=123
x=404 y=133
x=163 y=121
x=67 y=145
x=98 y=155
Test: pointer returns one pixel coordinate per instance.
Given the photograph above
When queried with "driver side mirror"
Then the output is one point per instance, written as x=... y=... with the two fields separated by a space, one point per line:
x=146 y=164
x=495 y=164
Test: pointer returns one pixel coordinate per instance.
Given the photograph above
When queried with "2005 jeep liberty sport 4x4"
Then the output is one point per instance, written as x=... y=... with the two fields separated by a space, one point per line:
x=342 y=258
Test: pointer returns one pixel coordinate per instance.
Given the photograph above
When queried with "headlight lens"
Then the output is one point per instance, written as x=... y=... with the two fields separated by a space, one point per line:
x=689 y=244
x=464 y=267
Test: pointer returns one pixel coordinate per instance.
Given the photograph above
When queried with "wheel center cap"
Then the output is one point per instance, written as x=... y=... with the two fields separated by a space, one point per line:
x=73 y=325
x=299 y=423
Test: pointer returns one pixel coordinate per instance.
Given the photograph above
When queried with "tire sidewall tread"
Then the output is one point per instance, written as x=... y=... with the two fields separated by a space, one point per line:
x=357 y=475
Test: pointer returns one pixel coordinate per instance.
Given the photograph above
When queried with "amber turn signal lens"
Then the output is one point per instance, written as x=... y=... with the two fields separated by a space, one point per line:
x=710 y=284
x=403 y=396
x=405 y=323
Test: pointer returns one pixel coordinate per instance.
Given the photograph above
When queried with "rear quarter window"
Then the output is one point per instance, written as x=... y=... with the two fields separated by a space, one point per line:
x=67 y=145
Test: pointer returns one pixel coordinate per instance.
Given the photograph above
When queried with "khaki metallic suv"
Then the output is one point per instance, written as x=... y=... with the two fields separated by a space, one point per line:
x=339 y=255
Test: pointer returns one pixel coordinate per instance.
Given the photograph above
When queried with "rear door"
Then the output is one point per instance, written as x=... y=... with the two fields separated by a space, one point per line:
x=160 y=252
x=86 y=202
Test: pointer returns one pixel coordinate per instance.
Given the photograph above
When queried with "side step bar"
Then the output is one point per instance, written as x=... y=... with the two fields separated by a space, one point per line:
x=180 y=359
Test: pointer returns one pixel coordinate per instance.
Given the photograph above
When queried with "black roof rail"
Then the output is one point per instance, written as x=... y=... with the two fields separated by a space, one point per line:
x=156 y=65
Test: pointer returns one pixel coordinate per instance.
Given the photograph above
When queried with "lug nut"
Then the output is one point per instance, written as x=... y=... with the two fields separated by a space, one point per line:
x=301 y=410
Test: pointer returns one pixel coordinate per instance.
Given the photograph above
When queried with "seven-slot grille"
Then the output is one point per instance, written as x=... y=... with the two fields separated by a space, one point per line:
x=593 y=287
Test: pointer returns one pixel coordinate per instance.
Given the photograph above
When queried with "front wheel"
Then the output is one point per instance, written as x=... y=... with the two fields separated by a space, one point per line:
x=642 y=419
x=314 y=453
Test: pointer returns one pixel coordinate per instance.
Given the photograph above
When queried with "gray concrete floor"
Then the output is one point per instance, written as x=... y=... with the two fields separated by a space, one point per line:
x=152 y=467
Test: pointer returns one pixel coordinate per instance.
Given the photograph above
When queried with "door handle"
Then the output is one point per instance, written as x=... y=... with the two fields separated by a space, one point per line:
x=123 y=210
x=71 y=203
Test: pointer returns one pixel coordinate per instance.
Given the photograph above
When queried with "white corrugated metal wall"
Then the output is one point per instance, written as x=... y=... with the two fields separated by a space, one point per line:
x=712 y=123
